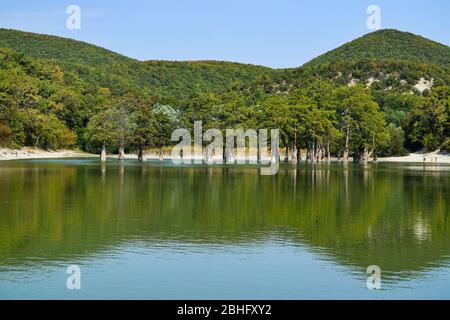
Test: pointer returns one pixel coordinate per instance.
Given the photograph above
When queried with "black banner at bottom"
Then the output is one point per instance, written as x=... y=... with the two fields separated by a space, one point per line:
x=226 y=309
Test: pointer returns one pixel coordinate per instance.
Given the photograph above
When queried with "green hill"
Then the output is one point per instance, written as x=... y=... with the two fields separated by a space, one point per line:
x=388 y=44
x=66 y=51
x=97 y=66
x=387 y=59
x=393 y=58
x=52 y=87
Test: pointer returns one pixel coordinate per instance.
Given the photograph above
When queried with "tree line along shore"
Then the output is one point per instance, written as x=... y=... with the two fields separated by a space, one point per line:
x=153 y=154
x=355 y=109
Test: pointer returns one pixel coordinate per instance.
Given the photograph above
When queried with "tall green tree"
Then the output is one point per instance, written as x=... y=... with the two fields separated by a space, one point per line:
x=429 y=123
x=102 y=131
x=143 y=128
x=362 y=124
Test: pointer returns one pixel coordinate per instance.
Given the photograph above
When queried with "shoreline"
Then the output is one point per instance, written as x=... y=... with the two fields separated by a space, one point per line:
x=34 y=153
x=425 y=158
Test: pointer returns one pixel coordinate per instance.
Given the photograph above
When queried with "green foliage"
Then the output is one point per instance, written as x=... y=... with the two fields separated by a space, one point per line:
x=32 y=111
x=88 y=65
x=396 y=141
x=429 y=121
x=143 y=128
x=101 y=130
x=389 y=44
x=46 y=131
x=61 y=93
x=446 y=145
x=362 y=120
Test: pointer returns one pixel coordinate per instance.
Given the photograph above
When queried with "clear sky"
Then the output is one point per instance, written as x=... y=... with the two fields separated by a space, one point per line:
x=281 y=33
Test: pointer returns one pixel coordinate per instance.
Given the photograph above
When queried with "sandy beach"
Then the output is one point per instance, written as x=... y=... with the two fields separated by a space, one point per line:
x=433 y=157
x=34 y=153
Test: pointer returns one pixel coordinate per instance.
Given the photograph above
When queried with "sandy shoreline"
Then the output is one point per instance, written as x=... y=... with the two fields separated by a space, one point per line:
x=433 y=157
x=33 y=153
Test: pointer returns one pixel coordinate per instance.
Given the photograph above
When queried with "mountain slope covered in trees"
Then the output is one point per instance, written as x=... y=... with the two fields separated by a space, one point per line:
x=388 y=44
x=383 y=93
x=101 y=67
x=386 y=59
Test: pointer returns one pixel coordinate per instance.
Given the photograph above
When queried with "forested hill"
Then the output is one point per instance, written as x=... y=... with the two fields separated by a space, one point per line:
x=64 y=50
x=388 y=60
x=388 y=44
x=392 y=88
x=104 y=68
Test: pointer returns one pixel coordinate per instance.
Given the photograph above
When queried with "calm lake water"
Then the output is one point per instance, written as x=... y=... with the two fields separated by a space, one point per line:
x=160 y=231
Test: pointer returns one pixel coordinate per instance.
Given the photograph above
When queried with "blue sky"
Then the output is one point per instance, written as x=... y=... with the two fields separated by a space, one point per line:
x=282 y=33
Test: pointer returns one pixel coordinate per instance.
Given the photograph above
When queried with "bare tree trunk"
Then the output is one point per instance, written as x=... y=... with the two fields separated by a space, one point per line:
x=121 y=152
x=225 y=153
x=286 y=155
x=319 y=153
x=103 y=153
x=294 y=150
x=373 y=151
x=345 y=155
x=299 y=154
x=258 y=153
x=294 y=155
x=122 y=135
x=315 y=155
x=206 y=155
x=365 y=156
x=141 y=154
x=228 y=155
x=161 y=154
x=276 y=155
x=328 y=152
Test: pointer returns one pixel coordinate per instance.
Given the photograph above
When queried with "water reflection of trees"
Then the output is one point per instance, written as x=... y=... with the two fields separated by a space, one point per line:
x=392 y=216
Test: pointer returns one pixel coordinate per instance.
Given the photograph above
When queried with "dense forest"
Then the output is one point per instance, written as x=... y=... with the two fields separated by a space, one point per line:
x=385 y=93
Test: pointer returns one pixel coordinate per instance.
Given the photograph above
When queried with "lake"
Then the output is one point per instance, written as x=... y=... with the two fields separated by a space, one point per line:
x=160 y=231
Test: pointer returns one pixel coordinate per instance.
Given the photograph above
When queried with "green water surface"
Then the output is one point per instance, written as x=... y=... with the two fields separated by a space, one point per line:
x=160 y=231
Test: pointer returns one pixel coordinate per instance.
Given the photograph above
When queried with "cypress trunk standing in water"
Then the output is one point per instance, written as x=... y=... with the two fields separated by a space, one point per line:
x=294 y=155
x=286 y=155
x=121 y=152
x=319 y=153
x=365 y=156
x=206 y=155
x=122 y=122
x=258 y=153
x=373 y=152
x=276 y=156
x=295 y=150
x=299 y=154
x=141 y=154
x=229 y=154
x=161 y=154
x=313 y=152
x=224 y=153
x=103 y=153
x=328 y=153
x=345 y=155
